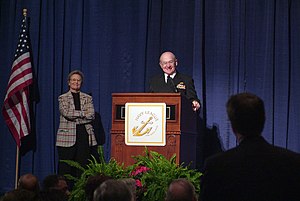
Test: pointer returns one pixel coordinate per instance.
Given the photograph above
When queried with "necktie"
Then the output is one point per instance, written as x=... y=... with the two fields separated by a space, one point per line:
x=171 y=83
x=169 y=80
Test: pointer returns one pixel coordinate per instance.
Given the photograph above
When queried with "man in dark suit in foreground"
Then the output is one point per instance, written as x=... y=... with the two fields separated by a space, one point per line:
x=171 y=81
x=255 y=169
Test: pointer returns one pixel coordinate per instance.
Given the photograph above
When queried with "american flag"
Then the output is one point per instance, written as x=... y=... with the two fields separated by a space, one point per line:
x=16 y=103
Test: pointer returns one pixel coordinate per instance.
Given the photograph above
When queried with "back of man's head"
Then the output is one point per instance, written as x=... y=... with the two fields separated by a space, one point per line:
x=181 y=190
x=56 y=182
x=92 y=183
x=50 y=182
x=113 y=190
x=246 y=113
x=29 y=182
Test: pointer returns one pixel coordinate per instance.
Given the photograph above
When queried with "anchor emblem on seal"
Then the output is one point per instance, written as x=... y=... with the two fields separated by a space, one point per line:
x=137 y=131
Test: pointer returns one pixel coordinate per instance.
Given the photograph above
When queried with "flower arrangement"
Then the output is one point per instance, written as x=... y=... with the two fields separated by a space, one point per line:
x=152 y=172
x=160 y=172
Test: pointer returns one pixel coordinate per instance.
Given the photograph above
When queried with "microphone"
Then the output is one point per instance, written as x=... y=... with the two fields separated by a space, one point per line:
x=170 y=80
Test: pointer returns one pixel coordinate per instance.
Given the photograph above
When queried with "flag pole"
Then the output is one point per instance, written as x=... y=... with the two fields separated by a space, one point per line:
x=18 y=149
x=17 y=167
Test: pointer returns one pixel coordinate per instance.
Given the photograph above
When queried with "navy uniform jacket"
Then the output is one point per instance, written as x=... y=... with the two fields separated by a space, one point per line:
x=254 y=170
x=182 y=83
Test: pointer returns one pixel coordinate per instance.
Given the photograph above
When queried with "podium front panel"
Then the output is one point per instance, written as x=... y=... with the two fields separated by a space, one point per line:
x=181 y=131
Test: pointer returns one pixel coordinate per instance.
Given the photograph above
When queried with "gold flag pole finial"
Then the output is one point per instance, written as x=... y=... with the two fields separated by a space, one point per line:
x=25 y=12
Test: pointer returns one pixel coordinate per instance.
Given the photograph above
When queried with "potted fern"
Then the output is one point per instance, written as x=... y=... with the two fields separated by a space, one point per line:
x=152 y=171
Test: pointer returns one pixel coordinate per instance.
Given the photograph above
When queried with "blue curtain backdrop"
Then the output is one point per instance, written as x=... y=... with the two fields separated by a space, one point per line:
x=227 y=46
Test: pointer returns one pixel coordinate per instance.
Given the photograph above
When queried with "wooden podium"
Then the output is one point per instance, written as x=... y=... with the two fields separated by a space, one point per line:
x=181 y=128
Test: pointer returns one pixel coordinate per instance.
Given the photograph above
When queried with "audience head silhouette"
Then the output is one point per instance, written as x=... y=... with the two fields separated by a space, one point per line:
x=246 y=113
x=115 y=190
x=181 y=190
x=56 y=182
x=29 y=182
x=131 y=184
x=92 y=183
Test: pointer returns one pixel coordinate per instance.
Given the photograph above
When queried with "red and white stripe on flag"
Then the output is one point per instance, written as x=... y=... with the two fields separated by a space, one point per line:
x=16 y=102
